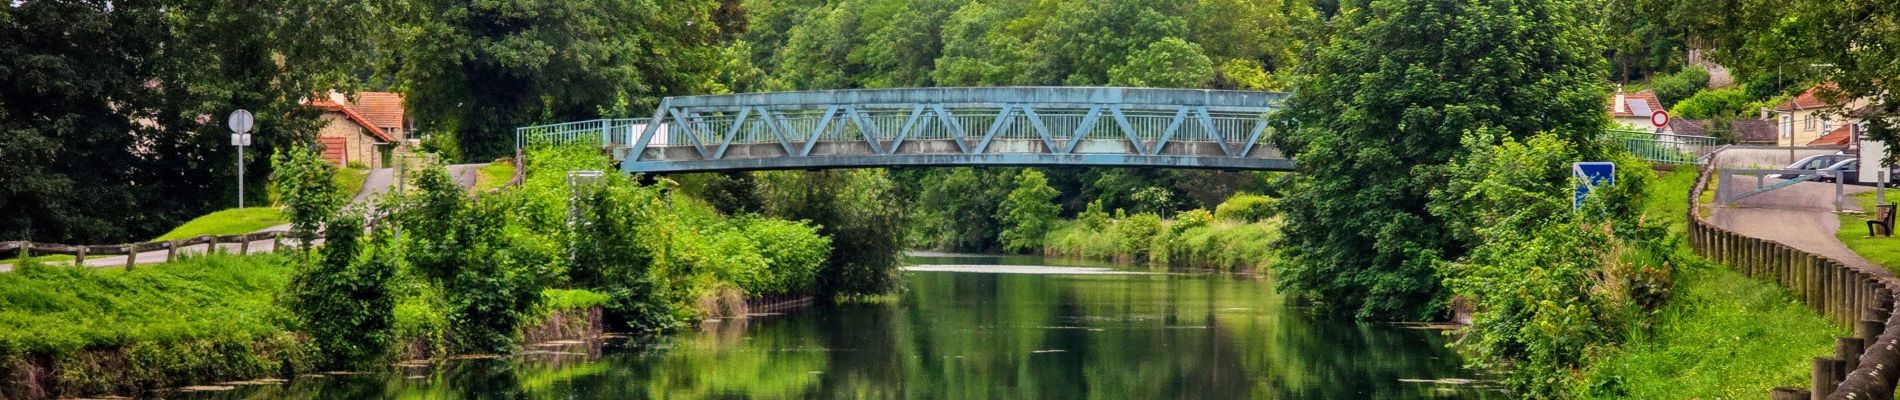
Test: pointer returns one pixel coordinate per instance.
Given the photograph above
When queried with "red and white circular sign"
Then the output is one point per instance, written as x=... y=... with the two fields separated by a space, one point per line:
x=1659 y=118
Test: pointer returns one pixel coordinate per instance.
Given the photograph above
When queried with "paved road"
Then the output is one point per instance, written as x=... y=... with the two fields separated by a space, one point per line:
x=379 y=181
x=376 y=183
x=1801 y=216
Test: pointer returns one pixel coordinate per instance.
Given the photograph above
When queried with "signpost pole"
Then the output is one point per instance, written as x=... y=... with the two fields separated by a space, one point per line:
x=240 y=123
x=240 y=176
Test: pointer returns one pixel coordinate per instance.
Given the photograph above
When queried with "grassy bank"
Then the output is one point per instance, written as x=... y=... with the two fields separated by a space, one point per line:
x=228 y=222
x=1722 y=335
x=79 y=331
x=109 y=330
x=349 y=180
x=494 y=175
x=1195 y=243
x=1883 y=250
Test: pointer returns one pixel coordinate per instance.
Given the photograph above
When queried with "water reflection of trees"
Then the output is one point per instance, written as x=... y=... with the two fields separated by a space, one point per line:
x=980 y=336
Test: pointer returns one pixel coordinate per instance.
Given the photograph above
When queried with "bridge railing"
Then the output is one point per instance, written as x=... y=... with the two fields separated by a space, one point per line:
x=887 y=123
x=601 y=132
x=1663 y=147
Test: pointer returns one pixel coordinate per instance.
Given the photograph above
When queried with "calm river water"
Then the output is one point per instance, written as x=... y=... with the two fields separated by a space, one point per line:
x=973 y=328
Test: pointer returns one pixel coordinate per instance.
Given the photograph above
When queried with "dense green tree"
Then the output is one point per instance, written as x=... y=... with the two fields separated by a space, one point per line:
x=1169 y=62
x=1850 y=43
x=858 y=210
x=1674 y=87
x=477 y=70
x=903 y=42
x=957 y=209
x=1028 y=212
x=345 y=298
x=113 y=112
x=302 y=183
x=1084 y=39
x=1383 y=107
x=977 y=50
x=1250 y=30
x=1721 y=104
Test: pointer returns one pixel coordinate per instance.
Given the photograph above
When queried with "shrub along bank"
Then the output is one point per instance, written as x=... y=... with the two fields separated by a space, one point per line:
x=430 y=273
x=1722 y=335
x=68 y=331
x=1239 y=241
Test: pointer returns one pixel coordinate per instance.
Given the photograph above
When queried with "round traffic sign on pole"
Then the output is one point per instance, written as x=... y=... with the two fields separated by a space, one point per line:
x=240 y=121
x=1659 y=118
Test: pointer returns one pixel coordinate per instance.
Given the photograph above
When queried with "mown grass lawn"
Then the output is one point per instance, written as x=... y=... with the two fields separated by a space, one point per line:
x=60 y=310
x=1722 y=335
x=228 y=222
x=348 y=181
x=1882 y=250
x=494 y=175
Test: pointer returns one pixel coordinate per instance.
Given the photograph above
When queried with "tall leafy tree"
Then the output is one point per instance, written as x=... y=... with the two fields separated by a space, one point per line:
x=1028 y=212
x=1084 y=39
x=1169 y=62
x=476 y=70
x=114 y=111
x=1383 y=108
x=1852 y=43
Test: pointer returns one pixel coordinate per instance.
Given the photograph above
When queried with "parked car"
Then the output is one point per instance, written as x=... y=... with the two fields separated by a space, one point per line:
x=1849 y=168
x=1813 y=163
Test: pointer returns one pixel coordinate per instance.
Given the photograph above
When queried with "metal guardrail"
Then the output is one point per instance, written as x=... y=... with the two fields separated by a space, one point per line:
x=600 y=132
x=1725 y=188
x=1663 y=147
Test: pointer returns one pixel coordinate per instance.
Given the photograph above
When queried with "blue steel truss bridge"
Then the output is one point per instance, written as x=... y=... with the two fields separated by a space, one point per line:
x=999 y=126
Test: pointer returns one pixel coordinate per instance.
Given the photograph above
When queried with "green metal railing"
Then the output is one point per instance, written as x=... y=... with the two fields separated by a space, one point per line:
x=1663 y=147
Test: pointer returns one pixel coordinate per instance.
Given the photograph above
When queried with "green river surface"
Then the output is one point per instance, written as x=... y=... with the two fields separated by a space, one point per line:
x=969 y=327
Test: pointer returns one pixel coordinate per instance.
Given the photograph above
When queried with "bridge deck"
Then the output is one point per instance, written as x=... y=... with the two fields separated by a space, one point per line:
x=1016 y=126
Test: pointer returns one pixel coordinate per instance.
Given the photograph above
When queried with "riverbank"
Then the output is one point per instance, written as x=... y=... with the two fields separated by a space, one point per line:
x=1721 y=335
x=68 y=331
x=1192 y=242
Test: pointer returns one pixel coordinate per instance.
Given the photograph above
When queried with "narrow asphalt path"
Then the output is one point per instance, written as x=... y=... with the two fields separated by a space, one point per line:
x=1801 y=216
x=377 y=182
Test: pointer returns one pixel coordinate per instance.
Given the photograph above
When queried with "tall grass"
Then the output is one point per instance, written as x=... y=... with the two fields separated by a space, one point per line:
x=1721 y=335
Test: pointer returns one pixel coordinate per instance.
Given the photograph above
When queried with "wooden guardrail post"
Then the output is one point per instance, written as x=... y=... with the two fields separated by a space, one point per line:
x=213 y=247
x=276 y=241
x=79 y=257
x=1822 y=377
x=1751 y=249
x=1788 y=393
x=244 y=246
x=1784 y=256
x=1821 y=276
x=131 y=255
x=1847 y=349
x=171 y=250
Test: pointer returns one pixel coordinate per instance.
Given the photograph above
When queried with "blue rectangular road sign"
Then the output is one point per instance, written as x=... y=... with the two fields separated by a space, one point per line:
x=1589 y=174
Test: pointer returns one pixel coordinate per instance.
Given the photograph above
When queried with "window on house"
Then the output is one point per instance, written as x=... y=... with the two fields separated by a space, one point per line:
x=1810 y=122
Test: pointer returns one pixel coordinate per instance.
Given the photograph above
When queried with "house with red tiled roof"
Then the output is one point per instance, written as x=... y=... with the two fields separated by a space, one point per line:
x=1814 y=114
x=1633 y=110
x=366 y=130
